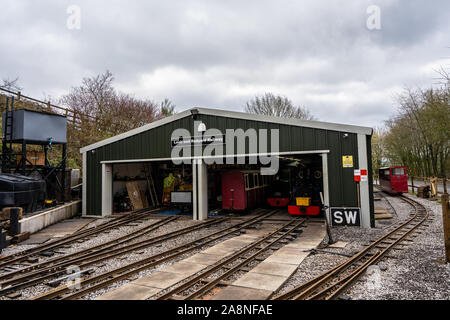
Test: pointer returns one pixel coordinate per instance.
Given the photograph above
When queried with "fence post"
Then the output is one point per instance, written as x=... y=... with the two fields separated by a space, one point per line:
x=446 y=225
x=412 y=183
x=444 y=181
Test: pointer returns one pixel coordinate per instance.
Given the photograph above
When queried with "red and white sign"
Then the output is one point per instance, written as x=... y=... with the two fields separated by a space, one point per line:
x=360 y=175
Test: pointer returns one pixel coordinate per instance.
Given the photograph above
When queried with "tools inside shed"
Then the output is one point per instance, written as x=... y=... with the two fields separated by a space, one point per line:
x=177 y=190
x=150 y=184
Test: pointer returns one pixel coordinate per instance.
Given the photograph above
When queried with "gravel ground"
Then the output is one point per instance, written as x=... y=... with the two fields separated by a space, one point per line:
x=128 y=258
x=151 y=251
x=417 y=272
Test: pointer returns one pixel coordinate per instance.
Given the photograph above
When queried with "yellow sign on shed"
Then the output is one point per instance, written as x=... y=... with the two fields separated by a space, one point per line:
x=347 y=161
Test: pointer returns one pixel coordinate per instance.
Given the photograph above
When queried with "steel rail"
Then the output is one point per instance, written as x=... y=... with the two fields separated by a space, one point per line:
x=22 y=255
x=126 y=271
x=236 y=256
x=306 y=290
x=93 y=258
x=91 y=250
x=344 y=283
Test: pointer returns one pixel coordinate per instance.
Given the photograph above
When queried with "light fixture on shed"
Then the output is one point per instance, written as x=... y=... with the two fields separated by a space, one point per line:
x=345 y=135
x=194 y=113
x=201 y=127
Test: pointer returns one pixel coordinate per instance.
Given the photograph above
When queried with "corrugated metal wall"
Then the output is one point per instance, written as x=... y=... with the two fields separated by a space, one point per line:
x=156 y=143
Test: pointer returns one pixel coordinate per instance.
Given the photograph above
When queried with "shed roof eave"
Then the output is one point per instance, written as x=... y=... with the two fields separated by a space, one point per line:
x=238 y=115
x=288 y=121
x=133 y=132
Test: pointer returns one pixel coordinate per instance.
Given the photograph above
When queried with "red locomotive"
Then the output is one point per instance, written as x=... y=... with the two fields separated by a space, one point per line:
x=278 y=194
x=242 y=190
x=394 y=179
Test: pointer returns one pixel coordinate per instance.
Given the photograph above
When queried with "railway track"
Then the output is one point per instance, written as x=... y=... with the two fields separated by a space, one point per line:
x=16 y=258
x=51 y=268
x=202 y=285
x=87 y=285
x=333 y=282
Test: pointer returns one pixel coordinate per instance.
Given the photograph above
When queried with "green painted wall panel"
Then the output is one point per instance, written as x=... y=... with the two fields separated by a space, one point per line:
x=155 y=143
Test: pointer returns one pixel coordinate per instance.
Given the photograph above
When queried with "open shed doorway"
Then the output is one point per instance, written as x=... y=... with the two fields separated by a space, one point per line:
x=240 y=188
x=151 y=184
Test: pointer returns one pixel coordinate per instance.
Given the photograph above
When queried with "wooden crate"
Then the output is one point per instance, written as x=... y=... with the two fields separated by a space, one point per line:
x=37 y=158
x=134 y=194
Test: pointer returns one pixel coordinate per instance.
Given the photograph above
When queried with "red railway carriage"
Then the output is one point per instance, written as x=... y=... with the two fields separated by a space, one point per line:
x=394 y=180
x=242 y=190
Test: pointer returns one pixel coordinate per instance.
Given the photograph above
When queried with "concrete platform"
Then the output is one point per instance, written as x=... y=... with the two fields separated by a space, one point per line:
x=282 y=269
x=129 y=291
x=160 y=279
x=293 y=259
x=242 y=293
x=185 y=268
x=255 y=280
x=40 y=221
x=169 y=276
x=203 y=258
x=269 y=275
x=57 y=230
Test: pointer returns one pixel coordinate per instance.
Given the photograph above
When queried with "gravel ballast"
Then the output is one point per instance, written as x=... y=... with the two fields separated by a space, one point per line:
x=137 y=255
x=416 y=272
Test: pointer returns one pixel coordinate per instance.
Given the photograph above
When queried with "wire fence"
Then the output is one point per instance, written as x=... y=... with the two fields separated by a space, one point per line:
x=74 y=118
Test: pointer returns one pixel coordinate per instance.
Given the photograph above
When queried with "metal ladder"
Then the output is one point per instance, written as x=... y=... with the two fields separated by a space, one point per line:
x=151 y=185
x=7 y=135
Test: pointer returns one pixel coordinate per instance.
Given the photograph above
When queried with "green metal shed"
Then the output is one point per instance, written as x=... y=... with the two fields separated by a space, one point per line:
x=152 y=142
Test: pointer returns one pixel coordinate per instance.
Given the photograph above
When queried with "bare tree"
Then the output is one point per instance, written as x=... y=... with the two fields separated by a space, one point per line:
x=11 y=84
x=378 y=149
x=278 y=106
x=167 y=107
x=101 y=112
x=418 y=135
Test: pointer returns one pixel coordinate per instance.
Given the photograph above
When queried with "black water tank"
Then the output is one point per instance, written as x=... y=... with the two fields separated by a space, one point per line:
x=21 y=191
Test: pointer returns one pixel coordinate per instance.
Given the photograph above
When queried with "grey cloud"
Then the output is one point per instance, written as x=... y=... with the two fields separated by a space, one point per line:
x=220 y=54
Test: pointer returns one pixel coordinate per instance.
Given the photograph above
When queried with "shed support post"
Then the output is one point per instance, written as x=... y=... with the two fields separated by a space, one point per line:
x=364 y=185
x=106 y=189
x=200 y=190
x=326 y=194
x=84 y=187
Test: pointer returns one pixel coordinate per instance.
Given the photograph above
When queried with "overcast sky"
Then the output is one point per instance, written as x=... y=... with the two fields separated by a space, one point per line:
x=219 y=54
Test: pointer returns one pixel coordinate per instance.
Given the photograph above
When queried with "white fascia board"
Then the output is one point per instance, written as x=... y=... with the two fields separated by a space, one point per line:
x=133 y=132
x=288 y=121
x=265 y=154
x=237 y=115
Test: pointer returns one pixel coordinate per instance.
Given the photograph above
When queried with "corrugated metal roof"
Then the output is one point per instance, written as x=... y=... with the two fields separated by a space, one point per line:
x=236 y=115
